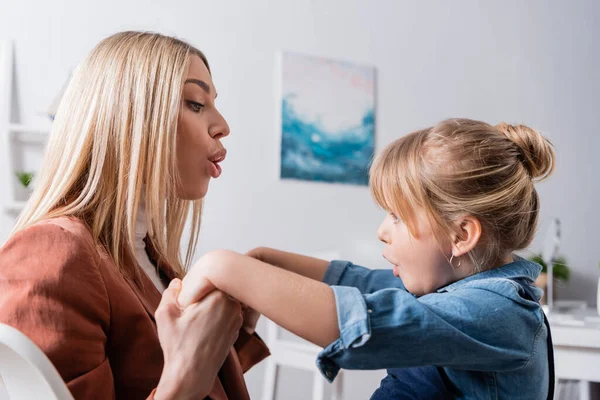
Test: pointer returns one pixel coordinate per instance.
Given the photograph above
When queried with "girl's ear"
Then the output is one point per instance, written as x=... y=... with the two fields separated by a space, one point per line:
x=466 y=236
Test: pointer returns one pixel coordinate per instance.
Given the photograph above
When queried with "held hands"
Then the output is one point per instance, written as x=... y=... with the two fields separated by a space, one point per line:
x=201 y=305
x=195 y=341
x=198 y=283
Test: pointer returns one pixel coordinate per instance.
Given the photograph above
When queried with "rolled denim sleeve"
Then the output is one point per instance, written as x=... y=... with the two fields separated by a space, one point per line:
x=345 y=273
x=390 y=328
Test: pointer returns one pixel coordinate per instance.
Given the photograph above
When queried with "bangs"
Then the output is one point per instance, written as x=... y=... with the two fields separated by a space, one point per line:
x=394 y=181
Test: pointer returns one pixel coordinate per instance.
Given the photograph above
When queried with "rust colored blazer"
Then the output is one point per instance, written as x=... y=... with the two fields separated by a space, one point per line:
x=97 y=328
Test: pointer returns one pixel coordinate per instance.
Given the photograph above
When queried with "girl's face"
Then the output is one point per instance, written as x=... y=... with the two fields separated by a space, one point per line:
x=201 y=128
x=420 y=261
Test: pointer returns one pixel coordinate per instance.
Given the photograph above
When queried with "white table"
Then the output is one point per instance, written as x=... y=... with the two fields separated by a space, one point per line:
x=576 y=337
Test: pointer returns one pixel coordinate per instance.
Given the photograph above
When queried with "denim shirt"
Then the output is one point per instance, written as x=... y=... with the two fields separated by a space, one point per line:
x=490 y=341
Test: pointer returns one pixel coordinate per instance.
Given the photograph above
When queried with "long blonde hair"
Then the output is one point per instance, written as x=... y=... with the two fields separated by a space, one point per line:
x=112 y=145
x=463 y=167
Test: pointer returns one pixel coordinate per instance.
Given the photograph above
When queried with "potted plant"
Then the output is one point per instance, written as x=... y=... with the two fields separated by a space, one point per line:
x=25 y=179
x=560 y=272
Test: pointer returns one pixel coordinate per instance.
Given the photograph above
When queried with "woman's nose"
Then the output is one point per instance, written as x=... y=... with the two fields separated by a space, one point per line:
x=220 y=129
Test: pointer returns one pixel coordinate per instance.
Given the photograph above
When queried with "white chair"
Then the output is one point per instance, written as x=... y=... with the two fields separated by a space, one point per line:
x=299 y=355
x=288 y=353
x=26 y=371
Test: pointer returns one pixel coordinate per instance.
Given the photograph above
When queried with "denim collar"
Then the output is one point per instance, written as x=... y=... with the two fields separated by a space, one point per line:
x=519 y=268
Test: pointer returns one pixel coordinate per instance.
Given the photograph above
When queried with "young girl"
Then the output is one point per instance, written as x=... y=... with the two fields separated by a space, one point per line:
x=460 y=199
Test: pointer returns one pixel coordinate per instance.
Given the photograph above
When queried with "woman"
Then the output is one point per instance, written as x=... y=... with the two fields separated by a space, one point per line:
x=134 y=144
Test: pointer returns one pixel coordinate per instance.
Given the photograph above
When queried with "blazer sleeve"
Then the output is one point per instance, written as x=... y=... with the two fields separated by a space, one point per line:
x=52 y=291
x=251 y=349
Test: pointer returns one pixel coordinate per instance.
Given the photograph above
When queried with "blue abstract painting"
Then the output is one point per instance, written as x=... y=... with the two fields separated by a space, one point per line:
x=327 y=120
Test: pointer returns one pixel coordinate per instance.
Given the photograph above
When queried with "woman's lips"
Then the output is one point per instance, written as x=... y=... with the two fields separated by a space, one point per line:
x=215 y=169
x=214 y=160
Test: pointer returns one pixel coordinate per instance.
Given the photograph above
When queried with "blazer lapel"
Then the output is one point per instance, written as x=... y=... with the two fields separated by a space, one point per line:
x=147 y=293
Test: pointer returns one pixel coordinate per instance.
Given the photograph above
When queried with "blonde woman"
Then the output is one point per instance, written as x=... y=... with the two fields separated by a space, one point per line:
x=86 y=272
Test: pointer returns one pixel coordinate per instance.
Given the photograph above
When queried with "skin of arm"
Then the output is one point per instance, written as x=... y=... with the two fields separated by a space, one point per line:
x=310 y=267
x=301 y=304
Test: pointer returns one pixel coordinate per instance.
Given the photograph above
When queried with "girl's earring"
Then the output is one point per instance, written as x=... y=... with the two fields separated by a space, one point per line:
x=452 y=258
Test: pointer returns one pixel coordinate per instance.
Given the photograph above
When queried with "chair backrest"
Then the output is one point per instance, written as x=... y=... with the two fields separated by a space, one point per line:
x=26 y=371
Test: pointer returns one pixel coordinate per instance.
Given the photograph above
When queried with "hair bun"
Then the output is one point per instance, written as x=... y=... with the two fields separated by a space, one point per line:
x=537 y=154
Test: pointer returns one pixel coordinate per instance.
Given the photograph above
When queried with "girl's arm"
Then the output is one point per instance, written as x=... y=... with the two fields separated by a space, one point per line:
x=340 y=273
x=478 y=327
x=310 y=267
x=299 y=304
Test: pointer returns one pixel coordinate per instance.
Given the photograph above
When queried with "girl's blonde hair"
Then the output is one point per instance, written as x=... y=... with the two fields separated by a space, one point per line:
x=112 y=145
x=463 y=167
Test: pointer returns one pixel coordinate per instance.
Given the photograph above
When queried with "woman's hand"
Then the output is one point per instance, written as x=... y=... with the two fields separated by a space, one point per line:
x=195 y=341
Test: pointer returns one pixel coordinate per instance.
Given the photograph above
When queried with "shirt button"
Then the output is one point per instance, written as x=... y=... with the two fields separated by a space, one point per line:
x=329 y=374
x=369 y=311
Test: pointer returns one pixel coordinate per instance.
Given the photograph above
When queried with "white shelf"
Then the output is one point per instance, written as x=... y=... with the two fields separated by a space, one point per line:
x=26 y=133
x=15 y=207
x=13 y=132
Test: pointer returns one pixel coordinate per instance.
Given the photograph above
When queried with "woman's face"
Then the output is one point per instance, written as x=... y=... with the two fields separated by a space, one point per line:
x=201 y=128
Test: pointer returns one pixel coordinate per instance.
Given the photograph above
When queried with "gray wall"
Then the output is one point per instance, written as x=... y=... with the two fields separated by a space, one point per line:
x=533 y=61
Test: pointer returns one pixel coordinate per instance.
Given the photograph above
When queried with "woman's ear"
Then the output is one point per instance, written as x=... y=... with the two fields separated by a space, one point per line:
x=466 y=236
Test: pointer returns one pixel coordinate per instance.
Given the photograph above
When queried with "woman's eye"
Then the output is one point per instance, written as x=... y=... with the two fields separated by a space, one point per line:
x=195 y=107
x=394 y=218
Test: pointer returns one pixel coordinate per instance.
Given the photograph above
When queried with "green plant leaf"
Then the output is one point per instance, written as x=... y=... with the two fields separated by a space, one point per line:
x=560 y=270
x=24 y=177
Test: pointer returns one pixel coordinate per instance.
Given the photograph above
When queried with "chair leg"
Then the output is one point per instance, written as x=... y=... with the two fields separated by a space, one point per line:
x=338 y=387
x=318 y=387
x=584 y=390
x=270 y=380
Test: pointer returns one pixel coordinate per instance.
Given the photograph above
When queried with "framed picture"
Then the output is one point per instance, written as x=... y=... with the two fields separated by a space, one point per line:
x=327 y=120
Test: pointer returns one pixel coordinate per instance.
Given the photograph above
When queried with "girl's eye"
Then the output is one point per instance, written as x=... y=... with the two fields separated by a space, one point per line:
x=195 y=107
x=394 y=218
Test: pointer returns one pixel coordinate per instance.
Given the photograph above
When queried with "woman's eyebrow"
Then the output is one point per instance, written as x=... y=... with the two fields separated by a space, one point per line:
x=200 y=83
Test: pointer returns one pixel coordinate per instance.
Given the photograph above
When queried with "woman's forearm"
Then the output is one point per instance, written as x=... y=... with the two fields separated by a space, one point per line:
x=309 y=267
x=299 y=304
